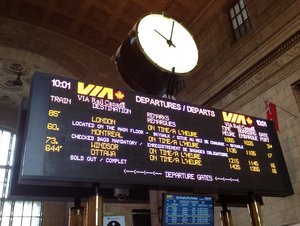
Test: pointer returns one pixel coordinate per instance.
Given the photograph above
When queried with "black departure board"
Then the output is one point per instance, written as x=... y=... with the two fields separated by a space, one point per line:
x=187 y=210
x=84 y=132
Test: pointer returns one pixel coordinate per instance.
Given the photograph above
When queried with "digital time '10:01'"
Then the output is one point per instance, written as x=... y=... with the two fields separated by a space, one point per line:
x=61 y=84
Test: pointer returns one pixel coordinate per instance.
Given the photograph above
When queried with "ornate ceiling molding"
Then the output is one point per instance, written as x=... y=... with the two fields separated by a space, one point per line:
x=261 y=70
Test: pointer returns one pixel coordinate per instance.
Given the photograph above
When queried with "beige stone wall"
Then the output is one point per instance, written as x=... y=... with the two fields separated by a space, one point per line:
x=270 y=78
x=275 y=211
x=223 y=58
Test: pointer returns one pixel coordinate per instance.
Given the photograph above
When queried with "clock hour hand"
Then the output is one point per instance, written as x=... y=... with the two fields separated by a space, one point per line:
x=169 y=42
x=161 y=34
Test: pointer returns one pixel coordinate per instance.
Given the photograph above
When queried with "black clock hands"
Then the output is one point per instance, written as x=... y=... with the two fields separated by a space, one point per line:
x=160 y=34
x=169 y=41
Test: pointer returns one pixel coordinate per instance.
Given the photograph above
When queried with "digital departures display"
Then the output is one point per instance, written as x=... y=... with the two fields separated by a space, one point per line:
x=166 y=145
x=97 y=133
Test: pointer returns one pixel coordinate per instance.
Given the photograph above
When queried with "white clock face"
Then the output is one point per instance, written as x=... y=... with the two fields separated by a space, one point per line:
x=167 y=43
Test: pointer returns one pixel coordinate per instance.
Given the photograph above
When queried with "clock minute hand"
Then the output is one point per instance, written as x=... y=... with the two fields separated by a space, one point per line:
x=171 y=34
x=169 y=42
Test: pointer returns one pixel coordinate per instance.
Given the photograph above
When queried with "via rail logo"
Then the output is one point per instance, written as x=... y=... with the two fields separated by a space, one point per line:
x=236 y=118
x=99 y=91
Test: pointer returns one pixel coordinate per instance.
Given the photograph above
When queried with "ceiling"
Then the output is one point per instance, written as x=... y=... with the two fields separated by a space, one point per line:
x=101 y=24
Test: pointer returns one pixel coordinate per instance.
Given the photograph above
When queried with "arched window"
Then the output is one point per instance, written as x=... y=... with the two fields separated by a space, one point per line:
x=14 y=213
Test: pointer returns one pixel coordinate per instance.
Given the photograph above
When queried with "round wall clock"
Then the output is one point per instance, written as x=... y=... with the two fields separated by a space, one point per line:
x=167 y=43
x=158 y=47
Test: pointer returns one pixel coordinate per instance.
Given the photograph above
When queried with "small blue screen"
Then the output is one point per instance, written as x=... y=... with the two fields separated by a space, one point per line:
x=188 y=210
